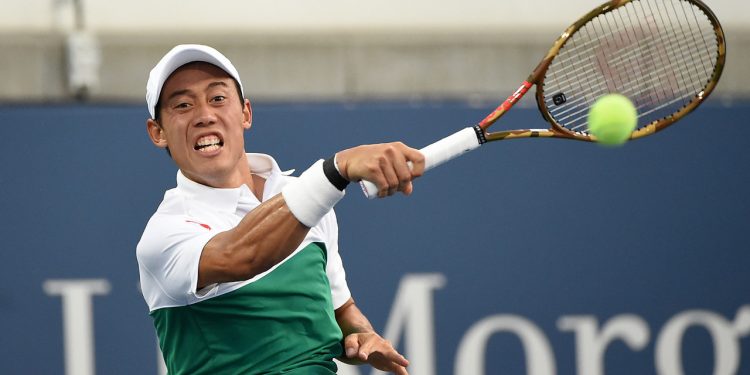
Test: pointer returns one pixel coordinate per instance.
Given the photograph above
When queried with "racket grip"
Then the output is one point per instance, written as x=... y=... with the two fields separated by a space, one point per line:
x=439 y=152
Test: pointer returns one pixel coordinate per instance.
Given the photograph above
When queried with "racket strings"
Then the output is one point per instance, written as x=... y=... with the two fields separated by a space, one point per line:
x=654 y=95
x=651 y=76
x=694 y=53
x=661 y=54
x=575 y=116
x=629 y=87
x=626 y=59
x=620 y=61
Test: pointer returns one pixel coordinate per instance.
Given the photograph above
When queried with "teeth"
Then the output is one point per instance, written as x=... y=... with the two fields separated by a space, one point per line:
x=208 y=143
x=208 y=140
x=209 y=148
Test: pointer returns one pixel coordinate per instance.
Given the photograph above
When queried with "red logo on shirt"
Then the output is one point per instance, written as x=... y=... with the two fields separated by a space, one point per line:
x=201 y=224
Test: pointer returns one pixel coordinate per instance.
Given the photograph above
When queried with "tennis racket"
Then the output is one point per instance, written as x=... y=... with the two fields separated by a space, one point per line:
x=666 y=56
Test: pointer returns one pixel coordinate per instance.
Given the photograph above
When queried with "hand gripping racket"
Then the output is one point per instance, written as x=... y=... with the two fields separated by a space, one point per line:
x=666 y=56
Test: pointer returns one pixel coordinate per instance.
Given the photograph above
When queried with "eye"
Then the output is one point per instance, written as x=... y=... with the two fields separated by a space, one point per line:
x=218 y=98
x=181 y=105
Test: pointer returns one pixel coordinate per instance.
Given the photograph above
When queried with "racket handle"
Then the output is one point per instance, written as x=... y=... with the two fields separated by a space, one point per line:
x=439 y=152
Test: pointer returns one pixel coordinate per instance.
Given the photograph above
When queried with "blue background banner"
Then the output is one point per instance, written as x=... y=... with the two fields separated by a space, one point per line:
x=628 y=260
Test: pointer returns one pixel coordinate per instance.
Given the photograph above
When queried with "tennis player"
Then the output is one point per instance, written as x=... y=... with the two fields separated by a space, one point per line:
x=240 y=264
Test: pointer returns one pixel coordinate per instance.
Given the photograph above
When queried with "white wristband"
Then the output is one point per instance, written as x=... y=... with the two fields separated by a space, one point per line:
x=311 y=196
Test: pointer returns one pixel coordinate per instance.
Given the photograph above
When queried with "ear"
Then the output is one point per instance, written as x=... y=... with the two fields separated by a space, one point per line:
x=156 y=133
x=247 y=115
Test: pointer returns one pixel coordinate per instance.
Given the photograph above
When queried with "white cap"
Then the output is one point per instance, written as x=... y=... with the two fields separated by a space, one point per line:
x=177 y=57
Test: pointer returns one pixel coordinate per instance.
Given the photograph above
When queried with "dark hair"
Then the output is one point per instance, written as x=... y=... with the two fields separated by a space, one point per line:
x=157 y=108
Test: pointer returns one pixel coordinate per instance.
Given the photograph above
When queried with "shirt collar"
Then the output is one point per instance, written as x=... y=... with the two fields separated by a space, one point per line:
x=226 y=199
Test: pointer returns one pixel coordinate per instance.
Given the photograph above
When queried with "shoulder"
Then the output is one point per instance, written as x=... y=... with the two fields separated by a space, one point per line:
x=170 y=218
x=156 y=234
x=172 y=203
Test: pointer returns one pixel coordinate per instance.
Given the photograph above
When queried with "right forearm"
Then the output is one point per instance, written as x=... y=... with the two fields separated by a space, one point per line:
x=269 y=234
x=264 y=237
x=271 y=231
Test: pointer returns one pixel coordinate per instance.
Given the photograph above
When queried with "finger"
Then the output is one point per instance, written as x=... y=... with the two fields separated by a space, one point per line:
x=381 y=183
x=374 y=174
x=417 y=161
x=391 y=355
x=403 y=172
x=391 y=177
x=397 y=358
x=365 y=349
x=408 y=189
x=351 y=346
x=382 y=362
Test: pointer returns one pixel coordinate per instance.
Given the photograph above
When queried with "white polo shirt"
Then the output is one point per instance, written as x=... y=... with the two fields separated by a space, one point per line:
x=191 y=214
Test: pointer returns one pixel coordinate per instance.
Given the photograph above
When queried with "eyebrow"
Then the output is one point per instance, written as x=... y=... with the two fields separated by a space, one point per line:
x=217 y=83
x=186 y=91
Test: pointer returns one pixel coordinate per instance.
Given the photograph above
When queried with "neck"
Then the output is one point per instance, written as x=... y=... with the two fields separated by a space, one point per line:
x=257 y=186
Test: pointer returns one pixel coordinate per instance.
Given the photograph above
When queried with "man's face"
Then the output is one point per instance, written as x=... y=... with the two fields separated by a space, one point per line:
x=202 y=122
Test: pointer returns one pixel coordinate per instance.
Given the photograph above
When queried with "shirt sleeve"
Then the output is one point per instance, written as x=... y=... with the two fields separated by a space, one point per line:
x=334 y=266
x=168 y=256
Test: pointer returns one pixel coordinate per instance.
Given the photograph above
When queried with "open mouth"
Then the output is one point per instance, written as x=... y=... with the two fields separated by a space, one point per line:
x=208 y=143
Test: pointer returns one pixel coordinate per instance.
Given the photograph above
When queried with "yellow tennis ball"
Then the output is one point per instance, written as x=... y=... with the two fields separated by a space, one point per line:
x=612 y=119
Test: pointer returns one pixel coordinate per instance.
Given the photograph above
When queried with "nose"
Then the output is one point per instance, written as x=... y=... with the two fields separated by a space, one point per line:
x=204 y=115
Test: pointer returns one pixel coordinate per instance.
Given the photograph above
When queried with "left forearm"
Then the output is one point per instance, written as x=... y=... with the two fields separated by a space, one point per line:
x=352 y=320
x=363 y=345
